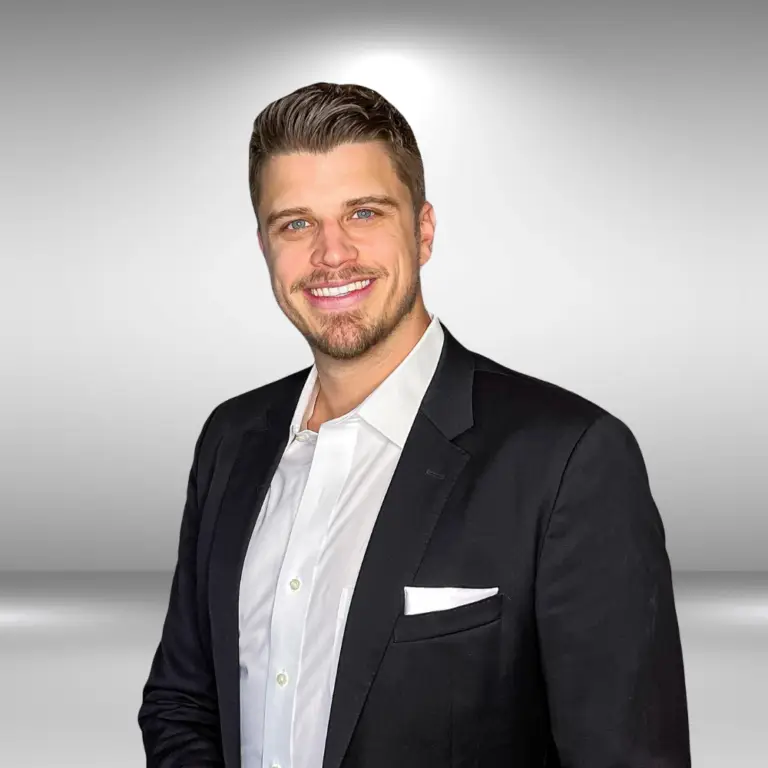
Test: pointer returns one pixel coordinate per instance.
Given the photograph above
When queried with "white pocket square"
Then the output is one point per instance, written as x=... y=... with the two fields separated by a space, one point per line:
x=426 y=599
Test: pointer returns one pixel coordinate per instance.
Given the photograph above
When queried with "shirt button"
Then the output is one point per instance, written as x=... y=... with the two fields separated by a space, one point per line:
x=295 y=584
x=301 y=437
x=282 y=678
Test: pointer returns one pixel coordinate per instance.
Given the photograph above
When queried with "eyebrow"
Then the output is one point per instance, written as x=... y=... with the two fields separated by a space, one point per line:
x=383 y=200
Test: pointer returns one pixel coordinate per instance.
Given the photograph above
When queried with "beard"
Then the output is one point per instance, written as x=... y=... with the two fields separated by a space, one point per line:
x=351 y=334
x=348 y=334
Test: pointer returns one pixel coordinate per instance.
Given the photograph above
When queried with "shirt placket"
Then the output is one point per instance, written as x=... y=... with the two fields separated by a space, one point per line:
x=328 y=471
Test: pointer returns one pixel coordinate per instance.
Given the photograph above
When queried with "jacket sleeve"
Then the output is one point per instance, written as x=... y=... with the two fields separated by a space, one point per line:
x=608 y=631
x=178 y=717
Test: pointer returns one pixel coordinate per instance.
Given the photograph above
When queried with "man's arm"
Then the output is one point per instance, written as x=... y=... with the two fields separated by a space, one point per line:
x=608 y=631
x=179 y=717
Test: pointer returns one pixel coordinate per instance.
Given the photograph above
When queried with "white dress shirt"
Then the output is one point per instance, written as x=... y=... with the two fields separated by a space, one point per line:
x=304 y=556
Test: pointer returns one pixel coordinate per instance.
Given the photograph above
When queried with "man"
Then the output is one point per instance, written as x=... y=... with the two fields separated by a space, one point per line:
x=406 y=555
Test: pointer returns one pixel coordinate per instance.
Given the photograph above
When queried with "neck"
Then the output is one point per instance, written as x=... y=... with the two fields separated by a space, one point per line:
x=344 y=384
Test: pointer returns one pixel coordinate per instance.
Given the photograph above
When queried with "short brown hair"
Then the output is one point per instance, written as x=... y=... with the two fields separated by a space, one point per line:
x=322 y=116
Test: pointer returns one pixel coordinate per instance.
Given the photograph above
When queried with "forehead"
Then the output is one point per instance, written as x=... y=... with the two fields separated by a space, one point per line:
x=345 y=171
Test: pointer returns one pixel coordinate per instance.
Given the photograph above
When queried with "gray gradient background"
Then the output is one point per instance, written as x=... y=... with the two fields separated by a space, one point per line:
x=599 y=177
x=598 y=171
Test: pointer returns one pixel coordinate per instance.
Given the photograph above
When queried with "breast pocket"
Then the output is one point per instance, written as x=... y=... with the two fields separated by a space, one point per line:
x=423 y=626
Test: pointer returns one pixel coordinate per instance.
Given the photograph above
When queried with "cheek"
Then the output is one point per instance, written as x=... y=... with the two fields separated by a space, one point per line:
x=389 y=251
x=280 y=287
x=284 y=275
x=283 y=287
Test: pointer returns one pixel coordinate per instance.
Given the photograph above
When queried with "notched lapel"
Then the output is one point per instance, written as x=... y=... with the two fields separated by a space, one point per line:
x=426 y=473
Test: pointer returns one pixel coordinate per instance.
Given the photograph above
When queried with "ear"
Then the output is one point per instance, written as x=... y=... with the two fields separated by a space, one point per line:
x=427 y=225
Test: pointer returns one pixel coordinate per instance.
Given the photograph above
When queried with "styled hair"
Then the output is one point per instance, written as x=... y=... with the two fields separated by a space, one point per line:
x=320 y=117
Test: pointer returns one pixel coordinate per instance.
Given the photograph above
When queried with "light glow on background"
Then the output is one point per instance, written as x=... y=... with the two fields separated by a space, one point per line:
x=598 y=179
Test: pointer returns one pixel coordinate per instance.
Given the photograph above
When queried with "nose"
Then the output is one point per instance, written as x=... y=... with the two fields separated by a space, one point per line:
x=334 y=246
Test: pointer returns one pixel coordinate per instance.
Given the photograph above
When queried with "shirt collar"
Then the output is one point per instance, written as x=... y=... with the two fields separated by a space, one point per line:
x=392 y=406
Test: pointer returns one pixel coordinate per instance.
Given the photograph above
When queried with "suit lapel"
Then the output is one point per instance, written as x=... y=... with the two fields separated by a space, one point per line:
x=428 y=468
x=257 y=459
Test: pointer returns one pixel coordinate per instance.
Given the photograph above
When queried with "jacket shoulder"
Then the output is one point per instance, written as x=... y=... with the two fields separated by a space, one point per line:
x=503 y=394
x=246 y=410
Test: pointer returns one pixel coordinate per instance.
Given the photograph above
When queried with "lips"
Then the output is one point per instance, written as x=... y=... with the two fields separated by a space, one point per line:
x=340 y=284
x=340 y=302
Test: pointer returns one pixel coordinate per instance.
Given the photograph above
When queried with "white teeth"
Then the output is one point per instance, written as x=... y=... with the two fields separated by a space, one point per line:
x=339 y=290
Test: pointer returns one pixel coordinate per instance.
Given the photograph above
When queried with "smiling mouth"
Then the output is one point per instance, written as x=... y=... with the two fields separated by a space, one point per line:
x=340 y=290
x=339 y=297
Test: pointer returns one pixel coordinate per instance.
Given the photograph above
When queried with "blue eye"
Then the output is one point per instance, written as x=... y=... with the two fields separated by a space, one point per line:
x=289 y=226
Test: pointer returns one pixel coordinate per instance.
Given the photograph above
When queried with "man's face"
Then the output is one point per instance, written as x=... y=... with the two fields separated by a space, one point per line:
x=317 y=227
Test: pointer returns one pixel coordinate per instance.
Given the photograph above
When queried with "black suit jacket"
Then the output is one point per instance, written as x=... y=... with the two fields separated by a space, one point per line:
x=505 y=480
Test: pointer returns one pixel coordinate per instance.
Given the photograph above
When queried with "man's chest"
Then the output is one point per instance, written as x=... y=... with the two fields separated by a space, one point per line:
x=310 y=536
